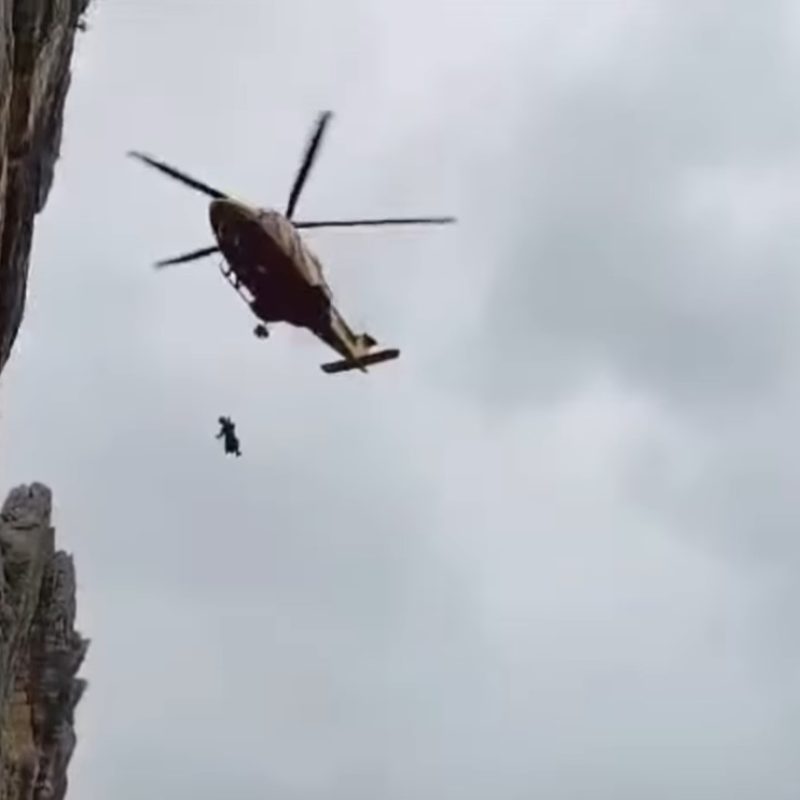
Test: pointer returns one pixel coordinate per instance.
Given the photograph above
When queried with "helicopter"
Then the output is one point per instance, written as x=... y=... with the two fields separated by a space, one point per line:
x=270 y=266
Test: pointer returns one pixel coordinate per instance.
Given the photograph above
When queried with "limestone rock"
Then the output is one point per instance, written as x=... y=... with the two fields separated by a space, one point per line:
x=36 y=42
x=40 y=651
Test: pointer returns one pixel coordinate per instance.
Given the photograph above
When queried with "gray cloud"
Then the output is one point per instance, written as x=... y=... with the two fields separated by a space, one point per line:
x=431 y=583
x=639 y=182
x=659 y=208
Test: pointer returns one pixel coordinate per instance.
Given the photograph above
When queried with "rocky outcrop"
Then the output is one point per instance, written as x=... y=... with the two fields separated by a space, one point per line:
x=40 y=652
x=36 y=42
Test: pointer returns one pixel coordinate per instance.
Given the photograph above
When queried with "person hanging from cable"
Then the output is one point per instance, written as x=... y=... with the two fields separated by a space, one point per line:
x=228 y=433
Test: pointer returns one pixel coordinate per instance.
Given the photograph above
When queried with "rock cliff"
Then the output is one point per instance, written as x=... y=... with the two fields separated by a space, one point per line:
x=40 y=651
x=36 y=41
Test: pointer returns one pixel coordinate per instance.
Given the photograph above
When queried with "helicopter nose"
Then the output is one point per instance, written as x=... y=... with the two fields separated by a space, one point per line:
x=218 y=211
x=218 y=205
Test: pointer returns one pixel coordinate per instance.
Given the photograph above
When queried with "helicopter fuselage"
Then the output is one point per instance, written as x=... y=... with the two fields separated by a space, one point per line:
x=268 y=258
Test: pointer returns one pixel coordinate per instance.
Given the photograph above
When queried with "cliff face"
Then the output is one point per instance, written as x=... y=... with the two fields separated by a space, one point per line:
x=40 y=652
x=36 y=41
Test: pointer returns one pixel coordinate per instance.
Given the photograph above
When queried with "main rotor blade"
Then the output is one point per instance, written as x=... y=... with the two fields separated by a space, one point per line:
x=308 y=160
x=174 y=173
x=195 y=254
x=346 y=223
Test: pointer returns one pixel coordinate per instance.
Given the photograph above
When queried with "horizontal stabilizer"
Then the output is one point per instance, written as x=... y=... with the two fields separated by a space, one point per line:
x=365 y=361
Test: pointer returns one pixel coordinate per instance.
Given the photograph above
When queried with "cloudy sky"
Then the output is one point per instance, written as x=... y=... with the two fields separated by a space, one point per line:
x=550 y=552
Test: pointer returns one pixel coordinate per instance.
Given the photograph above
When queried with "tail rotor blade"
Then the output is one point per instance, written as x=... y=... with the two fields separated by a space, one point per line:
x=308 y=160
x=193 y=256
x=180 y=176
x=347 y=223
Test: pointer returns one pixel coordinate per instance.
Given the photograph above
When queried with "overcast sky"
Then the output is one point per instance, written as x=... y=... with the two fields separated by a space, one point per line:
x=550 y=552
